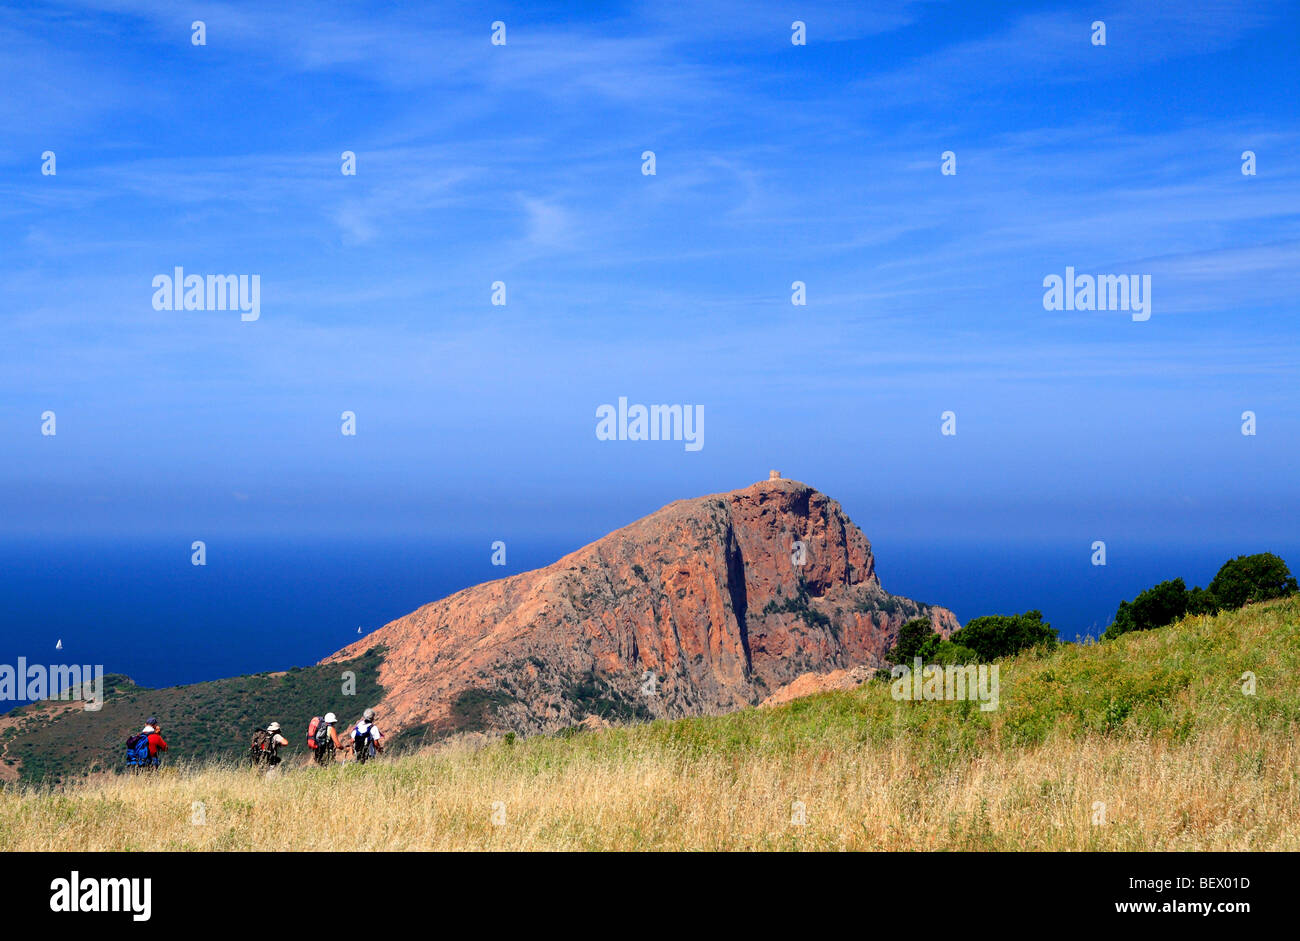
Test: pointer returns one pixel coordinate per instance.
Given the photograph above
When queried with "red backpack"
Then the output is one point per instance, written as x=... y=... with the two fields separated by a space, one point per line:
x=311 y=731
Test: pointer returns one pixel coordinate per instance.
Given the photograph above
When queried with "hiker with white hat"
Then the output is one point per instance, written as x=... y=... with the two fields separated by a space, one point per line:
x=266 y=746
x=323 y=738
x=276 y=741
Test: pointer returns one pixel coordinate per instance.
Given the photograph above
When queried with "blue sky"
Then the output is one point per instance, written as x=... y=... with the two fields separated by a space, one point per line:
x=775 y=163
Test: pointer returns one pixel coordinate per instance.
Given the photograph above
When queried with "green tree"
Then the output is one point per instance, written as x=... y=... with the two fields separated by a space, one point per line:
x=1157 y=606
x=1200 y=601
x=942 y=651
x=911 y=636
x=1001 y=635
x=1249 y=578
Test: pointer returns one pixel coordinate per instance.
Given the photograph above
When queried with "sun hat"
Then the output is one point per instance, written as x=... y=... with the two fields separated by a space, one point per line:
x=331 y=717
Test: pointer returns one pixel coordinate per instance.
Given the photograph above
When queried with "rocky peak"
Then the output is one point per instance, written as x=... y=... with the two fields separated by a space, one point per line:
x=707 y=605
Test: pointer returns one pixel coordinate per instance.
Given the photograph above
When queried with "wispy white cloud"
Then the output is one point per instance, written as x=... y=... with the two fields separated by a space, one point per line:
x=1056 y=46
x=478 y=163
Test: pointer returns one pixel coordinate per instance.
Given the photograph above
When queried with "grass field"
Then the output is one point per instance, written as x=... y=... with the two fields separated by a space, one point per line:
x=1155 y=726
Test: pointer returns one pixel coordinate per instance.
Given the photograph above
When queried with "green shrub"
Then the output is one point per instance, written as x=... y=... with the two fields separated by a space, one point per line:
x=800 y=605
x=911 y=637
x=1001 y=635
x=474 y=709
x=1250 y=578
x=1200 y=601
x=946 y=652
x=596 y=697
x=1157 y=606
x=1240 y=581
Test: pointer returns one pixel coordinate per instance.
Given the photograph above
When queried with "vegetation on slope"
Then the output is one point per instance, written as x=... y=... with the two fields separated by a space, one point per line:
x=1148 y=742
x=1247 y=579
x=54 y=742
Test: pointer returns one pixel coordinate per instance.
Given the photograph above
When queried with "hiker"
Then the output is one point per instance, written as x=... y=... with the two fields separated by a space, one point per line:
x=156 y=743
x=142 y=748
x=324 y=738
x=366 y=737
x=266 y=746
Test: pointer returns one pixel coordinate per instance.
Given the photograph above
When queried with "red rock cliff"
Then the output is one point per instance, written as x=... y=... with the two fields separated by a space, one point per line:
x=698 y=608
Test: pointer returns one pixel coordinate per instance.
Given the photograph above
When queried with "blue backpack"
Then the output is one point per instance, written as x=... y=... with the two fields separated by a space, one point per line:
x=137 y=751
x=363 y=745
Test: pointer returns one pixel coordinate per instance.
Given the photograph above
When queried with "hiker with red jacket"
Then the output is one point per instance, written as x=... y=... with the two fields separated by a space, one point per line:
x=142 y=749
x=156 y=743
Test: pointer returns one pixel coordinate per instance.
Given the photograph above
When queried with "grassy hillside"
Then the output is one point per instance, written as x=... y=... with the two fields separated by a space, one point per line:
x=1154 y=725
x=54 y=741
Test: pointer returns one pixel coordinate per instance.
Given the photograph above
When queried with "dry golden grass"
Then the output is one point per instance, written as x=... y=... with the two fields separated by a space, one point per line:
x=1197 y=795
x=1154 y=727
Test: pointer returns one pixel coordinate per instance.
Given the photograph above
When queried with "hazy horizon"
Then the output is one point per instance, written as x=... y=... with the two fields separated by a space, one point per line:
x=775 y=163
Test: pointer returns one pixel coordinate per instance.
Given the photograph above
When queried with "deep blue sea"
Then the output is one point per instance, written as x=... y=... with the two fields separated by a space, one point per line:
x=143 y=609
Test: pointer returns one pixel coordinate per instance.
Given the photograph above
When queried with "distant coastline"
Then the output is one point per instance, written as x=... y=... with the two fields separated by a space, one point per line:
x=271 y=605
